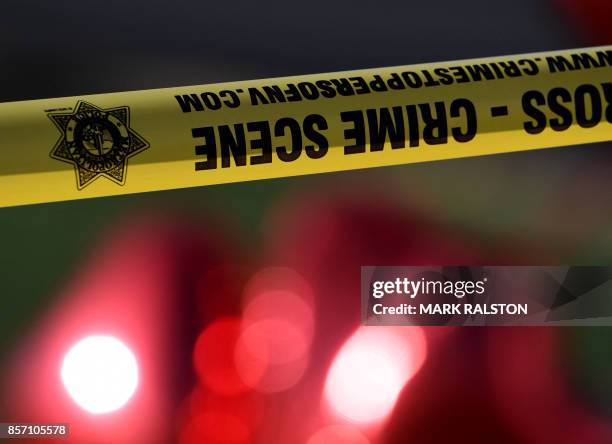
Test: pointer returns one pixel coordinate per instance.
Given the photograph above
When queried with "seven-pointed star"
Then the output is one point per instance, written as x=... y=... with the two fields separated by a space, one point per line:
x=97 y=142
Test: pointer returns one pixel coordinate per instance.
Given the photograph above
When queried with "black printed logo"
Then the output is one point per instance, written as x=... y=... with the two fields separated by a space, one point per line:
x=98 y=142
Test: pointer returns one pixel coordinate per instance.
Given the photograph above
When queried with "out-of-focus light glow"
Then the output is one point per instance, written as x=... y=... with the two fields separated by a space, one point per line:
x=215 y=428
x=276 y=341
x=277 y=279
x=280 y=305
x=214 y=357
x=338 y=434
x=248 y=407
x=271 y=356
x=100 y=373
x=371 y=369
x=273 y=350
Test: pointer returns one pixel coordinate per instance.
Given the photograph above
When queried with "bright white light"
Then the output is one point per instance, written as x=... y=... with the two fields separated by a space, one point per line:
x=100 y=373
x=370 y=371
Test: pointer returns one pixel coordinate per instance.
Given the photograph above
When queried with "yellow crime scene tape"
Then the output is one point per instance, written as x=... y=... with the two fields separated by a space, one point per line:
x=130 y=142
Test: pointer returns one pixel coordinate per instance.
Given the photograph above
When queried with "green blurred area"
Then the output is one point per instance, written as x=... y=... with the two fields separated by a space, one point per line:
x=589 y=366
x=44 y=244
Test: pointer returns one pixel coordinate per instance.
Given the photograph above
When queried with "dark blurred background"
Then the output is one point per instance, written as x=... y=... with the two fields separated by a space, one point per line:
x=546 y=207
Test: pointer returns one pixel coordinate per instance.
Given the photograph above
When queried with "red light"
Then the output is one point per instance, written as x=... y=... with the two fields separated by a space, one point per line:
x=214 y=357
x=338 y=434
x=215 y=428
x=280 y=305
x=277 y=330
x=213 y=418
x=276 y=347
x=279 y=342
x=278 y=279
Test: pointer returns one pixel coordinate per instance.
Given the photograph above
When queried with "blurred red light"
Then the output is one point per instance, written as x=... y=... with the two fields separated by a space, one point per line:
x=273 y=350
x=280 y=341
x=248 y=407
x=280 y=306
x=215 y=428
x=277 y=348
x=282 y=279
x=214 y=357
x=590 y=17
x=338 y=434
